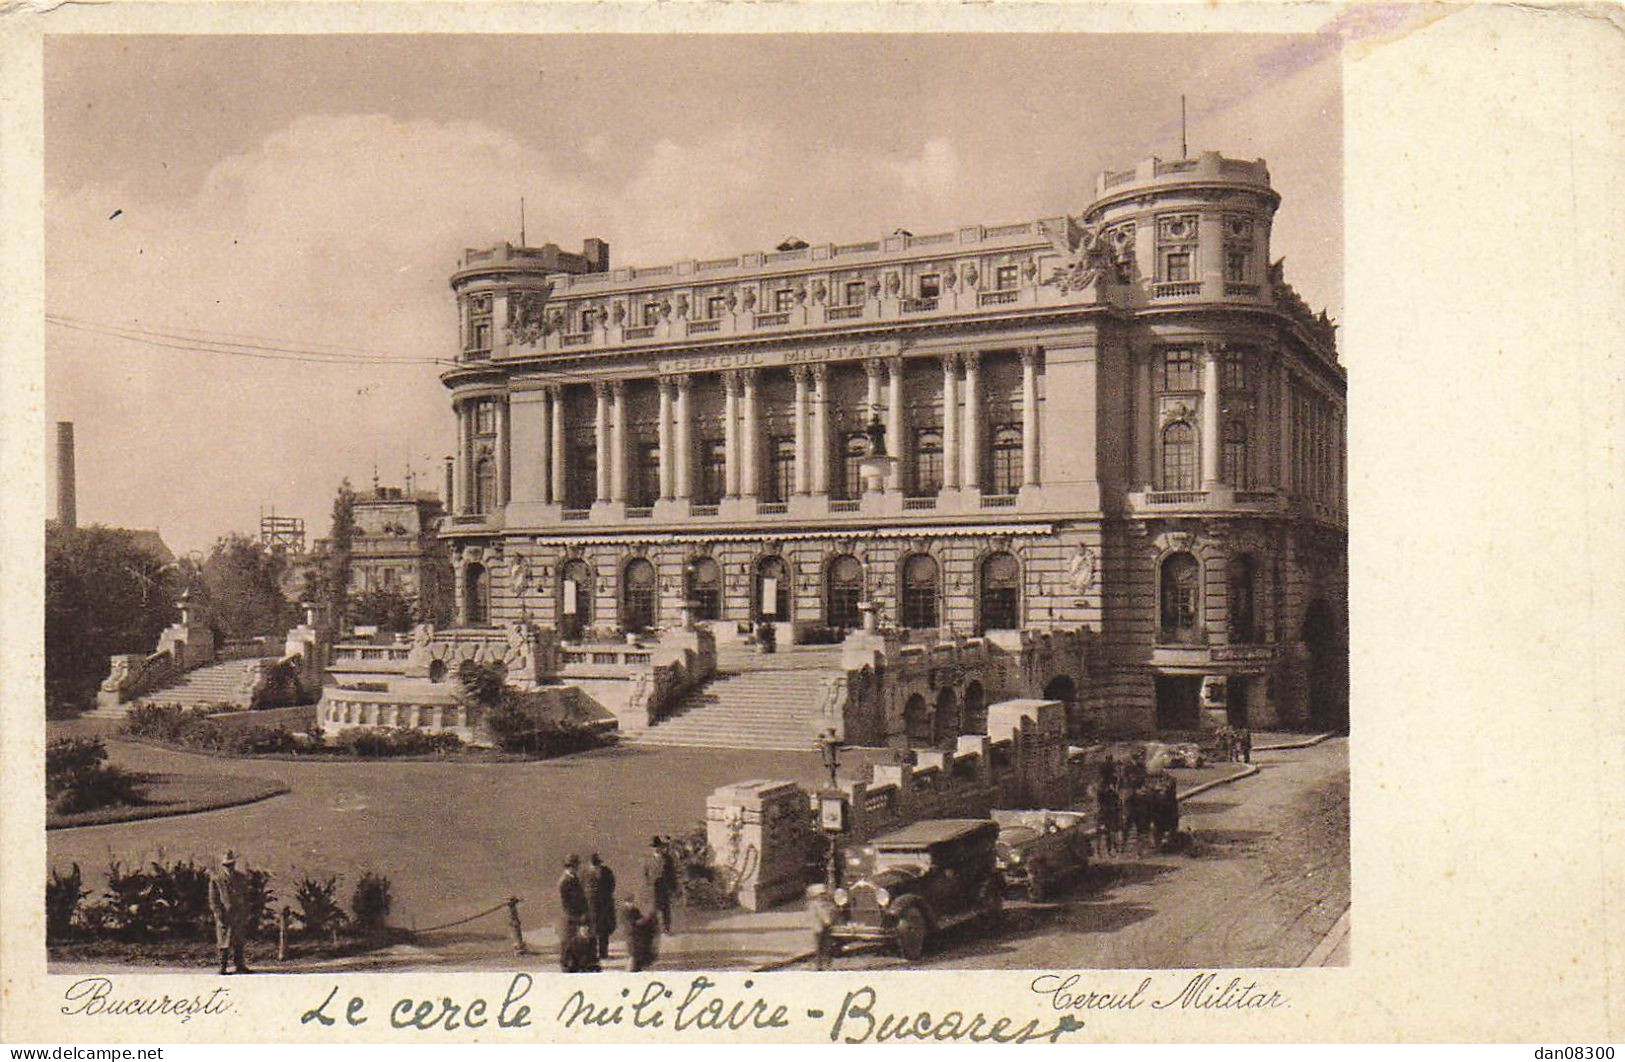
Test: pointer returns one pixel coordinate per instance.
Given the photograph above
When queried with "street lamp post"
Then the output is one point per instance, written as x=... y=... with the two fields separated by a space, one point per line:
x=832 y=808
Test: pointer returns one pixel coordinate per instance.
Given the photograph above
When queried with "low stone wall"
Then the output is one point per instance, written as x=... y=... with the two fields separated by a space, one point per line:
x=760 y=830
x=296 y=717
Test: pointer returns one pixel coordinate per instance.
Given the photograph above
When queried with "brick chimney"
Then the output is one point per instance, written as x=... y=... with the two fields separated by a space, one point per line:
x=66 y=510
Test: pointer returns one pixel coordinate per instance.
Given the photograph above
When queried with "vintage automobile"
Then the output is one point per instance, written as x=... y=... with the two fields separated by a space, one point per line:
x=1040 y=850
x=905 y=887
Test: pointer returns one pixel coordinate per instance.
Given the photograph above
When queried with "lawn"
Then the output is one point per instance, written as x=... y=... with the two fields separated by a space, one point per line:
x=175 y=794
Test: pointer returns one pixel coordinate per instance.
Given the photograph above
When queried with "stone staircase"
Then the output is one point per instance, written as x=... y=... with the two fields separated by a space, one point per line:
x=199 y=688
x=773 y=707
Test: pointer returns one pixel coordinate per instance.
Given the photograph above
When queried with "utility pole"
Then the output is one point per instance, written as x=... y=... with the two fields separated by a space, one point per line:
x=1184 y=151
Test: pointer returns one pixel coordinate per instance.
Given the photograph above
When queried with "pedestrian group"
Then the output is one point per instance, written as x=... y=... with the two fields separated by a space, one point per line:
x=588 y=910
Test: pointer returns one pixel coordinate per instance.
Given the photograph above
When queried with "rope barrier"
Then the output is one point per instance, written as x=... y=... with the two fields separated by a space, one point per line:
x=464 y=921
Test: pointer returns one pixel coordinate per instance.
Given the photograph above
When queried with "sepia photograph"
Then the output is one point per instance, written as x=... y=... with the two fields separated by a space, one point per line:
x=847 y=523
x=610 y=522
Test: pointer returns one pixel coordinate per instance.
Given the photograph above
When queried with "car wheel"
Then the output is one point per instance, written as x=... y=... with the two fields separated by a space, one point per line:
x=911 y=930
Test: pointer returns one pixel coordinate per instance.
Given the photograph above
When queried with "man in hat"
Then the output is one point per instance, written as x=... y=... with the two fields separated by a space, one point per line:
x=642 y=933
x=574 y=916
x=228 y=901
x=599 y=882
x=660 y=880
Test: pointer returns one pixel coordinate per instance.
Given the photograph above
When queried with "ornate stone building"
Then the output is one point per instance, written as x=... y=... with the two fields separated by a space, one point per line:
x=395 y=549
x=1123 y=421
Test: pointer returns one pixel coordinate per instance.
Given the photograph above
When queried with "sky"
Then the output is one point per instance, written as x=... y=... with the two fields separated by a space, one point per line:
x=316 y=192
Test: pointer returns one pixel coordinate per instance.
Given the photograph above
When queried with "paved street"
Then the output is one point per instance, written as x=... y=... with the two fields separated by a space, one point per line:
x=1268 y=878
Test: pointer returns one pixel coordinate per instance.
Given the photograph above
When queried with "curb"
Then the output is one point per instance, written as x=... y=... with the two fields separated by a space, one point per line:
x=1305 y=743
x=1205 y=786
x=1330 y=942
x=780 y=964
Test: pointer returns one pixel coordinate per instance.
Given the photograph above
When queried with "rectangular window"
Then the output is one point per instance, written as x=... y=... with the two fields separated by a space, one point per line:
x=930 y=285
x=1178 y=266
x=1233 y=371
x=479 y=323
x=927 y=462
x=715 y=306
x=782 y=483
x=856 y=293
x=587 y=317
x=784 y=300
x=1005 y=278
x=581 y=484
x=1179 y=370
x=651 y=314
x=854 y=450
x=1235 y=266
x=646 y=489
x=1006 y=460
x=485 y=417
x=713 y=471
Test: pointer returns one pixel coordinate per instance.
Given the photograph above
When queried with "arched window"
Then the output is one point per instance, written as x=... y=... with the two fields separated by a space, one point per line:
x=973 y=720
x=575 y=600
x=1178 y=457
x=1006 y=459
x=1180 y=578
x=916 y=721
x=772 y=597
x=1001 y=593
x=927 y=462
x=1233 y=460
x=646 y=478
x=705 y=588
x=638 y=595
x=844 y=576
x=485 y=485
x=919 y=592
x=1243 y=599
x=853 y=452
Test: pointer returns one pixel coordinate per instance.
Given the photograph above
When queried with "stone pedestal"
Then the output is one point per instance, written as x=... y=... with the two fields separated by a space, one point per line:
x=759 y=830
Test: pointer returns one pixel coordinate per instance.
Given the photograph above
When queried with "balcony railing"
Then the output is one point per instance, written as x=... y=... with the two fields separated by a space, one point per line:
x=640 y=332
x=697 y=327
x=921 y=305
x=844 y=313
x=843 y=505
x=469 y=518
x=1176 y=290
x=1175 y=497
x=574 y=514
x=771 y=507
x=770 y=320
x=641 y=512
x=1243 y=290
x=703 y=508
x=575 y=339
x=912 y=504
x=998 y=501
x=997 y=298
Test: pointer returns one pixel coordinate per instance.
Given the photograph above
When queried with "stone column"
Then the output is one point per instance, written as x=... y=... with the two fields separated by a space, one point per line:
x=1145 y=420
x=556 y=422
x=600 y=391
x=730 y=432
x=896 y=443
x=459 y=465
x=873 y=367
x=1283 y=414
x=685 y=438
x=617 y=442
x=820 y=431
x=973 y=421
x=803 y=379
x=664 y=433
x=469 y=486
x=544 y=456
x=1029 y=416
x=1211 y=353
x=504 y=454
x=950 y=421
x=750 y=444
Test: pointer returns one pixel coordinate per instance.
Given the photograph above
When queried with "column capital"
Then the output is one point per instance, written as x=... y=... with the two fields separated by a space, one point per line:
x=894 y=367
x=950 y=362
x=600 y=388
x=683 y=381
x=820 y=372
x=1030 y=355
x=617 y=387
x=1212 y=349
x=874 y=366
x=972 y=359
x=801 y=373
x=732 y=380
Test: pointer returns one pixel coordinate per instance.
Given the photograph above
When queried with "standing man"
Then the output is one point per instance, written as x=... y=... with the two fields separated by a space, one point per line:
x=600 y=886
x=1246 y=745
x=660 y=879
x=228 y=901
x=574 y=918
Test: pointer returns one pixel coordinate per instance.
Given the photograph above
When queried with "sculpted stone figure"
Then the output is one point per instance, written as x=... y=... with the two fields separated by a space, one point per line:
x=1080 y=570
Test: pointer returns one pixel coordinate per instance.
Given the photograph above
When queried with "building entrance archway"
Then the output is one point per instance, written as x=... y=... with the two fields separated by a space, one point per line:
x=575 y=600
x=945 y=718
x=638 y=595
x=1000 y=606
x=771 y=601
x=705 y=588
x=916 y=721
x=973 y=713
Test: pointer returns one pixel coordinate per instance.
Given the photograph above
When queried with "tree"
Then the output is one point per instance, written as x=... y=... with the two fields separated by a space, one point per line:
x=341 y=540
x=103 y=595
x=386 y=609
x=243 y=582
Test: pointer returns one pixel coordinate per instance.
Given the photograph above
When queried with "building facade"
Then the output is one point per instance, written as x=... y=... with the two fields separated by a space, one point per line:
x=1123 y=421
x=395 y=549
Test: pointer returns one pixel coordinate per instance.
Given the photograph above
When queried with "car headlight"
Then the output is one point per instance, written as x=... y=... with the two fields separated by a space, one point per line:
x=1015 y=857
x=840 y=897
x=882 y=897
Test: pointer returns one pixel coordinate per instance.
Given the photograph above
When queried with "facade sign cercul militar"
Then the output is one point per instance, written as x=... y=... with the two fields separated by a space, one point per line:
x=751 y=359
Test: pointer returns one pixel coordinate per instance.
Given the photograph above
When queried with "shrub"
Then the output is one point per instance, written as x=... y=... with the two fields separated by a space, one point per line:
x=319 y=912
x=169 y=901
x=400 y=741
x=262 y=739
x=514 y=729
x=62 y=895
x=370 y=902
x=78 y=779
